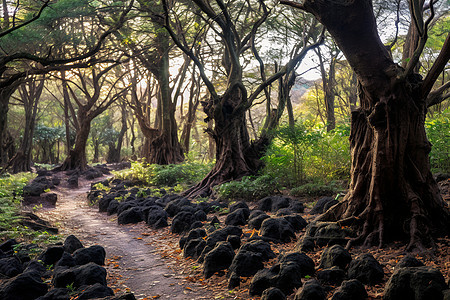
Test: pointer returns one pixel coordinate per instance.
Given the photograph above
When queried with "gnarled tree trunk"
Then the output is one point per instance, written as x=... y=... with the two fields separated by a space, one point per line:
x=77 y=156
x=5 y=94
x=165 y=148
x=235 y=156
x=392 y=193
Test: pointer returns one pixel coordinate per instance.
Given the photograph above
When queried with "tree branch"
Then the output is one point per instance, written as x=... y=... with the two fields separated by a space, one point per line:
x=423 y=33
x=46 y=62
x=438 y=96
x=188 y=52
x=287 y=68
x=14 y=28
x=437 y=68
x=292 y=4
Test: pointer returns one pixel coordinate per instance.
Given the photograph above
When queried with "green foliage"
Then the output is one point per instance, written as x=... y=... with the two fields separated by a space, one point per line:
x=305 y=153
x=249 y=188
x=49 y=27
x=177 y=176
x=187 y=173
x=290 y=149
x=438 y=33
x=44 y=135
x=316 y=189
x=11 y=189
x=101 y=187
x=438 y=132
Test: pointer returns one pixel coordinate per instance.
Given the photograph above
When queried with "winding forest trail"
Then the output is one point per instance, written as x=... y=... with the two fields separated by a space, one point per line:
x=132 y=262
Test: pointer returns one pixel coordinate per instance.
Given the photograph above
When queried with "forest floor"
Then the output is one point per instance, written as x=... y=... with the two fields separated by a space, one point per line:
x=132 y=262
x=150 y=263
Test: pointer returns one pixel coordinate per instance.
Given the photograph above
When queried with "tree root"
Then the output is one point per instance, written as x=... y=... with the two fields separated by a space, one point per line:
x=371 y=226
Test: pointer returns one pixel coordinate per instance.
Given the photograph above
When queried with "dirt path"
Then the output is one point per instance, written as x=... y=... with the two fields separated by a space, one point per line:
x=132 y=262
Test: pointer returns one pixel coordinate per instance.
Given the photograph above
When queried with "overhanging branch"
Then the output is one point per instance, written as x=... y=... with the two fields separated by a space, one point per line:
x=37 y=16
x=287 y=68
x=46 y=62
x=437 y=68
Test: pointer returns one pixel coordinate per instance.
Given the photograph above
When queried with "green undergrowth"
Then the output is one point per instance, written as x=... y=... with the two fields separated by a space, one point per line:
x=438 y=132
x=175 y=176
x=11 y=190
x=249 y=188
x=317 y=189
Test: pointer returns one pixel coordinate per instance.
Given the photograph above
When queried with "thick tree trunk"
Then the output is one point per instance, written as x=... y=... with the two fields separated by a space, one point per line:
x=76 y=160
x=392 y=193
x=21 y=162
x=211 y=142
x=114 y=151
x=235 y=156
x=5 y=94
x=165 y=149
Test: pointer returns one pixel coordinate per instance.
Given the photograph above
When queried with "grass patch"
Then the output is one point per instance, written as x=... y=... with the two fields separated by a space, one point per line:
x=177 y=177
x=11 y=190
x=249 y=188
x=316 y=189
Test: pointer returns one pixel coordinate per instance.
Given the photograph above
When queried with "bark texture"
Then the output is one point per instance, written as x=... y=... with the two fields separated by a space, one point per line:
x=5 y=140
x=76 y=160
x=235 y=155
x=29 y=94
x=392 y=193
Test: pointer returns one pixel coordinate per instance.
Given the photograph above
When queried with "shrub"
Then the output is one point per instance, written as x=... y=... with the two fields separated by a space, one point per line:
x=286 y=158
x=248 y=188
x=185 y=174
x=11 y=190
x=303 y=153
x=330 y=158
x=438 y=132
x=316 y=190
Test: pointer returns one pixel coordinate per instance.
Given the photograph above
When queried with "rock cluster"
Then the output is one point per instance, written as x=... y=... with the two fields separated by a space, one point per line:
x=73 y=269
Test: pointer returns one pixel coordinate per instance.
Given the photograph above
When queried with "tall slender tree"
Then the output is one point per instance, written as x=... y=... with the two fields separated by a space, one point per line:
x=29 y=93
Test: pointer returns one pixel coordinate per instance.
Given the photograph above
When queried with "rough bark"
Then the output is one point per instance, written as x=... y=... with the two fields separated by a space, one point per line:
x=328 y=83
x=235 y=156
x=392 y=193
x=5 y=95
x=114 y=150
x=21 y=162
x=77 y=156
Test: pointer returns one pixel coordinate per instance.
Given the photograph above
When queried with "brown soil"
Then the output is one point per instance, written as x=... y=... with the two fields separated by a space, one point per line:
x=150 y=264
x=133 y=263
